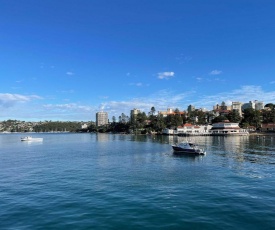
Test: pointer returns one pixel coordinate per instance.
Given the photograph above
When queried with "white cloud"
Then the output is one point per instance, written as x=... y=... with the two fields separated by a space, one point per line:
x=200 y=79
x=66 y=91
x=8 y=99
x=68 y=107
x=24 y=107
x=103 y=97
x=70 y=73
x=272 y=82
x=183 y=59
x=159 y=100
x=215 y=72
x=138 y=84
x=165 y=75
x=243 y=94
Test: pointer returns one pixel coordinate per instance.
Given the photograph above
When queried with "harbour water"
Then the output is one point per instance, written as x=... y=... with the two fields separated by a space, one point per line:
x=105 y=181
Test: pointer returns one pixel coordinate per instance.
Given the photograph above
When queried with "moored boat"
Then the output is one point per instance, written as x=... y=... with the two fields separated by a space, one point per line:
x=30 y=138
x=188 y=148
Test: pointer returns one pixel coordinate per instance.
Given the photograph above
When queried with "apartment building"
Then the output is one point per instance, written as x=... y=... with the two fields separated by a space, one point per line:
x=134 y=113
x=101 y=118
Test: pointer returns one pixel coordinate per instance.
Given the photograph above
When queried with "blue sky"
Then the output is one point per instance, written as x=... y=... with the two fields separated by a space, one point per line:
x=67 y=59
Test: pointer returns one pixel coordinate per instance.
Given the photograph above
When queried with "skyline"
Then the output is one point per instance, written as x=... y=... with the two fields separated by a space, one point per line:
x=67 y=60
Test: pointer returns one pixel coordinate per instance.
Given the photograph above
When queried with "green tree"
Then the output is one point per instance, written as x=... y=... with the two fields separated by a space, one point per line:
x=270 y=105
x=157 y=123
x=201 y=117
x=252 y=117
x=139 y=123
x=176 y=120
x=153 y=110
x=220 y=118
x=234 y=116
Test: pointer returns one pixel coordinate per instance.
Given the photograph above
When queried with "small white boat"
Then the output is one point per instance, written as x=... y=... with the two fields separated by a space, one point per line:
x=188 y=148
x=30 y=138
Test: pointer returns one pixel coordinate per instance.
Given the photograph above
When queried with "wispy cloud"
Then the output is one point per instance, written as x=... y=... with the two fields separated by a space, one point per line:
x=199 y=79
x=68 y=107
x=103 y=97
x=202 y=79
x=166 y=75
x=70 y=73
x=272 y=82
x=8 y=99
x=243 y=94
x=215 y=72
x=139 y=84
x=69 y=111
x=181 y=59
x=162 y=100
x=158 y=100
x=19 y=106
x=66 y=91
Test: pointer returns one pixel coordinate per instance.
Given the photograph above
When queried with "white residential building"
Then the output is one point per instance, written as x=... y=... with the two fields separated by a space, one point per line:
x=101 y=118
x=257 y=105
x=237 y=106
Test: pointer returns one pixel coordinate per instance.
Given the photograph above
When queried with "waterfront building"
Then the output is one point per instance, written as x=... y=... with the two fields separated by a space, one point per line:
x=227 y=128
x=270 y=127
x=169 y=131
x=101 y=118
x=189 y=129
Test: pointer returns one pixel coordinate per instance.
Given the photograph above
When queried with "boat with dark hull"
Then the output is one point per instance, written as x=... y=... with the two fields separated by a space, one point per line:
x=188 y=148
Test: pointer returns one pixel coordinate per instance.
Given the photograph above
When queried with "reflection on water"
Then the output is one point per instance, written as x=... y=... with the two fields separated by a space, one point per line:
x=31 y=143
x=84 y=181
x=251 y=149
x=102 y=137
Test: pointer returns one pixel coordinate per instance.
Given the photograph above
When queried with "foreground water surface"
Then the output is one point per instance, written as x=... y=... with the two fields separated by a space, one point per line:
x=105 y=181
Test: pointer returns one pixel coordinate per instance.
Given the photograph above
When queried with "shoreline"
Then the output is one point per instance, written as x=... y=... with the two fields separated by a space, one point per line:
x=262 y=134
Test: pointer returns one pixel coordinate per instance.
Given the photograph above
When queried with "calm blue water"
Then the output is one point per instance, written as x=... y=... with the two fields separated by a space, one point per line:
x=90 y=181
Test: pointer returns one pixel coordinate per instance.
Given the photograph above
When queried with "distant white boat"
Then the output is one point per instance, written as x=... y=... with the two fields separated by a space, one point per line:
x=30 y=138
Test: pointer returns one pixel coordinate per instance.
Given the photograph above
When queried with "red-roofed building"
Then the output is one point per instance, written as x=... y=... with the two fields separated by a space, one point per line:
x=227 y=128
x=193 y=129
x=270 y=127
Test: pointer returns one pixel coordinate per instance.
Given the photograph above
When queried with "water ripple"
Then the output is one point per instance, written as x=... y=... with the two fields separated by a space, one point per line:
x=84 y=181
